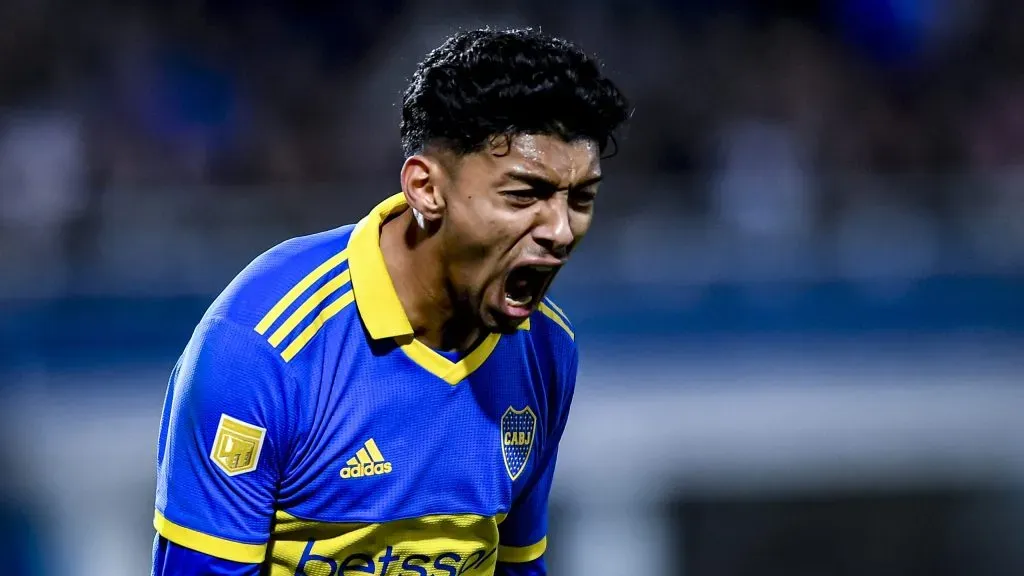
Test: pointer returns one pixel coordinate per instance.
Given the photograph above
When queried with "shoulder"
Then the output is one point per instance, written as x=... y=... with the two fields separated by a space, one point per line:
x=554 y=342
x=279 y=278
x=551 y=323
x=253 y=328
x=228 y=378
x=554 y=336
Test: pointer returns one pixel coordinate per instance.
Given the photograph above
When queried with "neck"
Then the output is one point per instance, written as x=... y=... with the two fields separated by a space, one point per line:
x=414 y=261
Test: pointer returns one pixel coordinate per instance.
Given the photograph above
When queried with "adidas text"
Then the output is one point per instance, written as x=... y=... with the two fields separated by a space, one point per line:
x=371 y=469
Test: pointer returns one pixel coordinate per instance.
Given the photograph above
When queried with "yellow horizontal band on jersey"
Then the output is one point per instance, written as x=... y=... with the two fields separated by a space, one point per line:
x=209 y=545
x=547 y=311
x=519 y=554
x=455 y=543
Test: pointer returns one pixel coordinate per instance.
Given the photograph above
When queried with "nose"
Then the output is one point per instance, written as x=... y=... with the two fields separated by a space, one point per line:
x=554 y=232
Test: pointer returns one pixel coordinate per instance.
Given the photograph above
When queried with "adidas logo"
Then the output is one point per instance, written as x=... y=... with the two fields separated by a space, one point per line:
x=367 y=462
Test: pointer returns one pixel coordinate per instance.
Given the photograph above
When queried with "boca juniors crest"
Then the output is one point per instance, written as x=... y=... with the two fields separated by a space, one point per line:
x=517 y=431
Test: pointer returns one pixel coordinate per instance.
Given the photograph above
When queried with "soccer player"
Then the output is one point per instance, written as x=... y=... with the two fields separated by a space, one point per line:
x=387 y=397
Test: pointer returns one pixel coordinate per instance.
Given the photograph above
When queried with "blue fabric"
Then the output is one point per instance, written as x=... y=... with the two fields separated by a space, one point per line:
x=536 y=567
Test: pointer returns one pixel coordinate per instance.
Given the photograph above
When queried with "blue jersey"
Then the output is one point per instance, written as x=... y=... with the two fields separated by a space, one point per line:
x=305 y=430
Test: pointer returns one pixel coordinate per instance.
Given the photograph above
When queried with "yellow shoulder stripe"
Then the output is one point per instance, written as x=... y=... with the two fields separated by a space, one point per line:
x=555 y=307
x=310 y=331
x=312 y=302
x=519 y=554
x=298 y=289
x=547 y=311
x=209 y=545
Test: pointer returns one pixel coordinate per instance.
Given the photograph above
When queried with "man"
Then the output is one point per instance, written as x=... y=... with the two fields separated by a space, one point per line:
x=387 y=398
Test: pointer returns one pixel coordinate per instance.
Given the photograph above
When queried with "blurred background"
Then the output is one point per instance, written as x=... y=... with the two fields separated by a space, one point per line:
x=801 y=309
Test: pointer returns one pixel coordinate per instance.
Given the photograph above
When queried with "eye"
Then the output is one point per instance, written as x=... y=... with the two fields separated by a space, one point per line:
x=522 y=196
x=583 y=198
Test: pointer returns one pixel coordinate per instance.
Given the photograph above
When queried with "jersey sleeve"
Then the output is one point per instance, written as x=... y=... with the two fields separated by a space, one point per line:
x=523 y=533
x=170 y=559
x=223 y=443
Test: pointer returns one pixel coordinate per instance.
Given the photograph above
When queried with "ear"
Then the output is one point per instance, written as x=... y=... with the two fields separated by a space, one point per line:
x=423 y=178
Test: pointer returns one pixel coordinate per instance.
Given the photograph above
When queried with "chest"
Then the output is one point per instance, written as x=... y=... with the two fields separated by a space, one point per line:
x=389 y=439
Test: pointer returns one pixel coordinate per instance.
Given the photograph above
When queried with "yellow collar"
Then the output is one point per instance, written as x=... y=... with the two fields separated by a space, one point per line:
x=376 y=299
x=375 y=295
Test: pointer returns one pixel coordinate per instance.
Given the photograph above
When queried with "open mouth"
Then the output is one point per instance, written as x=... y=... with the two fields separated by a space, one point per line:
x=525 y=286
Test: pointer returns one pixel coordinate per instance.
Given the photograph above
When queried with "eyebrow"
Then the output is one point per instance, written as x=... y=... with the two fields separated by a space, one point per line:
x=538 y=181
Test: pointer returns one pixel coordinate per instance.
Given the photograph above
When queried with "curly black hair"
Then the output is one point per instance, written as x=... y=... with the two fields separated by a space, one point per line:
x=485 y=83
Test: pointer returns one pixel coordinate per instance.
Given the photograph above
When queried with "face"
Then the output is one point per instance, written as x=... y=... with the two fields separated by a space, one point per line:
x=512 y=215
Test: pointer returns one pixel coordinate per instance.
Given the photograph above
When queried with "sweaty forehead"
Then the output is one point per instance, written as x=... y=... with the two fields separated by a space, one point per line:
x=549 y=157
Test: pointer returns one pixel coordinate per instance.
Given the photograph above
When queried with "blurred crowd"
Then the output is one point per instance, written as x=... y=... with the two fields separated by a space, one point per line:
x=878 y=120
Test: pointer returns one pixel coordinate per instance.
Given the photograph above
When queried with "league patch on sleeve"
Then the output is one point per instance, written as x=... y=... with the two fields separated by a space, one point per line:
x=237 y=445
